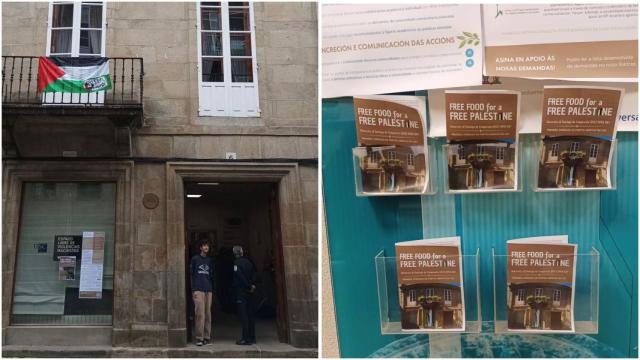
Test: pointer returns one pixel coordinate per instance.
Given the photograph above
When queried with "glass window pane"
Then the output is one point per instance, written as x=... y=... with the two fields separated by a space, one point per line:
x=91 y=16
x=241 y=45
x=90 y=41
x=210 y=3
x=212 y=70
x=211 y=19
x=62 y=15
x=43 y=293
x=239 y=20
x=60 y=41
x=238 y=3
x=212 y=44
x=241 y=70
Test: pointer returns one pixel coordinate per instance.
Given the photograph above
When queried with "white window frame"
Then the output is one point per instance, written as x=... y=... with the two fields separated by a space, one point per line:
x=373 y=157
x=411 y=159
x=520 y=296
x=412 y=295
x=75 y=29
x=446 y=296
x=593 y=152
x=500 y=155
x=555 y=149
x=538 y=292
x=392 y=155
x=575 y=146
x=226 y=63
x=430 y=292
x=556 y=296
x=461 y=153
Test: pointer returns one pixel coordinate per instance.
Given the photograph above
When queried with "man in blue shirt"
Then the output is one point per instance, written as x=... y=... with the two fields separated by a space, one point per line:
x=202 y=288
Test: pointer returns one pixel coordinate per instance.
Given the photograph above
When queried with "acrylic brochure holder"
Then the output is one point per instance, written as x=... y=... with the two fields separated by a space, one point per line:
x=380 y=176
x=388 y=296
x=474 y=175
x=586 y=295
x=592 y=170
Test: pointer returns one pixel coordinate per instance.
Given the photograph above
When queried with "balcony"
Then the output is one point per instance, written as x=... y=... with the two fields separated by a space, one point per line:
x=31 y=116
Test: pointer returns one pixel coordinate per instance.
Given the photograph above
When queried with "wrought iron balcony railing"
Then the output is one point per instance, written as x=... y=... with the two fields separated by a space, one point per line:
x=20 y=84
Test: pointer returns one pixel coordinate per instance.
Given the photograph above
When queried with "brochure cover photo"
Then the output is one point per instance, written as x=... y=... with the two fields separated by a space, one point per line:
x=430 y=285
x=391 y=153
x=483 y=139
x=578 y=129
x=540 y=284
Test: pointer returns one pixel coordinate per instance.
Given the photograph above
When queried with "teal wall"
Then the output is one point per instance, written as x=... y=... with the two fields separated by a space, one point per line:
x=359 y=228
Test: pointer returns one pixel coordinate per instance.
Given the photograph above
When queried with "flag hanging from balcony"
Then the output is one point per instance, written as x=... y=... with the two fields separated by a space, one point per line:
x=73 y=74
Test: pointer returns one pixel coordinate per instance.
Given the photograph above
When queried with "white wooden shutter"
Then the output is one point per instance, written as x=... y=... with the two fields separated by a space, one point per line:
x=227 y=98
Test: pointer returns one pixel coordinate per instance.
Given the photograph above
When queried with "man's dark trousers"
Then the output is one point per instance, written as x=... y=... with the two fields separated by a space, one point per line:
x=247 y=316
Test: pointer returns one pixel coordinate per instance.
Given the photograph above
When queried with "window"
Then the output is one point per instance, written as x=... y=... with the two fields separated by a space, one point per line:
x=373 y=157
x=412 y=295
x=227 y=67
x=411 y=160
x=593 y=151
x=392 y=155
x=461 y=154
x=45 y=291
x=76 y=29
x=520 y=296
x=499 y=153
x=538 y=292
x=447 y=296
x=574 y=147
x=430 y=292
x=555 y=149
x=556 y=296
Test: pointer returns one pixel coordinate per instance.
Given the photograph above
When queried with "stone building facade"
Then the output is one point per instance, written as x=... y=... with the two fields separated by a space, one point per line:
x=153 y=151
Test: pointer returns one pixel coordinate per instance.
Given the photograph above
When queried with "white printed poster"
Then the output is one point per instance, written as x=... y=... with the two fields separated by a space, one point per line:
x=562 y=41
x=92 y=265
x=380 y=49
x=531 y=103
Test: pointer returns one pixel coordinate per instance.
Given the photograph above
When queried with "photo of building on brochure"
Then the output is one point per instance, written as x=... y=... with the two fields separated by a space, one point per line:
x=574 y=162
x=481 y=165
x=393 y=169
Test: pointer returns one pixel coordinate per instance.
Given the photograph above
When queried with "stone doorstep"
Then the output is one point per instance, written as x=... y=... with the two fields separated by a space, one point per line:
x=223 y=350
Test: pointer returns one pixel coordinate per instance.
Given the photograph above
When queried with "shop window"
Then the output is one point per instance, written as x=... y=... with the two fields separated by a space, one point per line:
x=45 y=291
x=227 y=78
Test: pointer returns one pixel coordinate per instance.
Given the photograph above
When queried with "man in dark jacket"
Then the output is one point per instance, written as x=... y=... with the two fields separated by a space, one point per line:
x=202 y=288
x=243 y=283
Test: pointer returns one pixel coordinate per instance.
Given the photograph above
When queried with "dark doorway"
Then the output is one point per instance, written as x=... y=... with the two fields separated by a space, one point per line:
x=556 y=320
x=498 y=178
x=590 y=178
x=244 y=214
x=447 y=319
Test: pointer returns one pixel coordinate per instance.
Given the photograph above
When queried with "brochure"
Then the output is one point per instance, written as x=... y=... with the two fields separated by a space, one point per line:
x=66 y=267
x=391 y=154
x=483 y=140
x=578 y=128
x=541 y=277
x=570 y=41
x=390 y=48
x=430 y=285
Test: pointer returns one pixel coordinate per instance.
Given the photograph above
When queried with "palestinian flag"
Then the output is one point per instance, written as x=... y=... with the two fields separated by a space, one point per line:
x=73 y=74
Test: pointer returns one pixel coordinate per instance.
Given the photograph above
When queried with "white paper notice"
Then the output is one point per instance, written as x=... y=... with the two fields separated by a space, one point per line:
x=378 y=49
x=531 y=103
x=91 y=265
x=597 y=42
